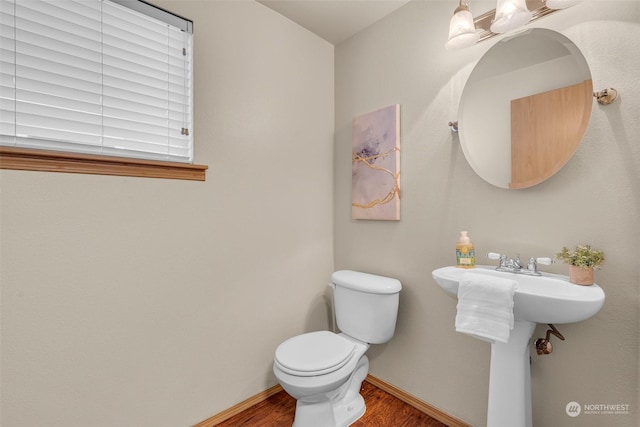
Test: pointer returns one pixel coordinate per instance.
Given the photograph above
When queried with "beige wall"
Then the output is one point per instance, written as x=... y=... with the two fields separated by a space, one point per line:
x=148 y=302
x=112 y=318
x=595 y=199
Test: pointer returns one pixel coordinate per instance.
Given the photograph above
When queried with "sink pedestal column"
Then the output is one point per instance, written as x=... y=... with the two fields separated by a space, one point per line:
x=510 y=379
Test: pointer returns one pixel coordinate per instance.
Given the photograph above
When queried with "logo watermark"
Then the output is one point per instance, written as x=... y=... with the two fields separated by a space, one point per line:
x=573 y=409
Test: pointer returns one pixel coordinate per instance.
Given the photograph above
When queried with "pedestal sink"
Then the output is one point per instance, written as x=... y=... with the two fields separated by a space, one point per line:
x=549 y=298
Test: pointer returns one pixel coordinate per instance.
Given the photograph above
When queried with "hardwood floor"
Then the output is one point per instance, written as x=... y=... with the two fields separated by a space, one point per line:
x=383 y=410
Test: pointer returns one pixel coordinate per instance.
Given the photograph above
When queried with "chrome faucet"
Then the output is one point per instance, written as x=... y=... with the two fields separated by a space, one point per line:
x=512 y=265
x=515 y=264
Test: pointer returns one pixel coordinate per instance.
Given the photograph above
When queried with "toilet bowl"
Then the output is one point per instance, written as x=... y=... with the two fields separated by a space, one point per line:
x=324 y=370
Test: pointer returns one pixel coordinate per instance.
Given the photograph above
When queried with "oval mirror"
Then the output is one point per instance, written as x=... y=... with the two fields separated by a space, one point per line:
x=525 y=108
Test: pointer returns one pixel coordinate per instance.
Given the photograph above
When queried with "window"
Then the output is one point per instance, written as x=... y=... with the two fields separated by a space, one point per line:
x=100 y=78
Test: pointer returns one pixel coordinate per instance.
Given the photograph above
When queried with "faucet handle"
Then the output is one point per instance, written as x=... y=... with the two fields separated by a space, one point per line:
x=532 y=266
x=503 y=259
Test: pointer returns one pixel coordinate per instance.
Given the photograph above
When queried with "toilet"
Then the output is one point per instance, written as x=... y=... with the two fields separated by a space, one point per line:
x=323 y=370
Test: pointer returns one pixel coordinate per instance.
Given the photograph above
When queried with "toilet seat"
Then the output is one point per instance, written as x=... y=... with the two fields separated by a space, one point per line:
x=314 y=353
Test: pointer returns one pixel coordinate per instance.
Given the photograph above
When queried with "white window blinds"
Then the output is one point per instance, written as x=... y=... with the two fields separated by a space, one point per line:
x=93 y=76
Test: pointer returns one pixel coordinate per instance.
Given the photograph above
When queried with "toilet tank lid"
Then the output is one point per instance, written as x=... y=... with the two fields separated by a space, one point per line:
x=365 y=282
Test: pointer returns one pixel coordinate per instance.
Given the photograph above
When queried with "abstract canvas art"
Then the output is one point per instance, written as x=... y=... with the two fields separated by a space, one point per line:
x=375 y=168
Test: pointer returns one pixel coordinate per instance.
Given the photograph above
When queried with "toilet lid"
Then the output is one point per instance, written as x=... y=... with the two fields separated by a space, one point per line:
x=315 y=353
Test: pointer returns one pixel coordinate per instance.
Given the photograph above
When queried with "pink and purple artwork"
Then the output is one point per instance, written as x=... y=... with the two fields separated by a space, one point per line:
x=375 y=168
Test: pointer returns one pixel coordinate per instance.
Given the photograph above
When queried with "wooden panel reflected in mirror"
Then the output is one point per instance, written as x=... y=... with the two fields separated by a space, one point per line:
x=544 y=127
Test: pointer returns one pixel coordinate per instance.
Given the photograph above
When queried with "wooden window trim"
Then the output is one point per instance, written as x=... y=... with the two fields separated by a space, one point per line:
x=59 y=161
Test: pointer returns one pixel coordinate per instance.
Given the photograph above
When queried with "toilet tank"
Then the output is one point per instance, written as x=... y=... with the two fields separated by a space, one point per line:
x=366 y=305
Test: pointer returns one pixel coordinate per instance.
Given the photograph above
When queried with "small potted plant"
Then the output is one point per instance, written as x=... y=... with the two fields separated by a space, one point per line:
x=582 y=261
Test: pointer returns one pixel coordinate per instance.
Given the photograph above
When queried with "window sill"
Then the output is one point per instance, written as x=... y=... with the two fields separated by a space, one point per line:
x=58 y=161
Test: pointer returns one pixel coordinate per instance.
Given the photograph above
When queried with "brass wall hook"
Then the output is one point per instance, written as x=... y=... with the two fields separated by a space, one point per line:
x=453 y=126
x=544 y=346
x=606 y=96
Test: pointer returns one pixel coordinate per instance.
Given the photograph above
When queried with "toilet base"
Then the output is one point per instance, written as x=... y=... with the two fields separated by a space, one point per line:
x=340 y=410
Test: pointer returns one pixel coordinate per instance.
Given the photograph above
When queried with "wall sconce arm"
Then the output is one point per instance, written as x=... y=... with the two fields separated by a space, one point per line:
x=606 y=96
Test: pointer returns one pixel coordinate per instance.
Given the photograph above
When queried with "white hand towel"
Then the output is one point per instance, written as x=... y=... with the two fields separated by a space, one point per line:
x=485 y=306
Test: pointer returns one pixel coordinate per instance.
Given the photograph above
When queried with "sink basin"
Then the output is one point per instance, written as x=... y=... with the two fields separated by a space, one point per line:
x=549 y=298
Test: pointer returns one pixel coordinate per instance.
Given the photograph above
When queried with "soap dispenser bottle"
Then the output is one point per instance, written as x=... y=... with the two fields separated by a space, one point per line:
x=465 y=254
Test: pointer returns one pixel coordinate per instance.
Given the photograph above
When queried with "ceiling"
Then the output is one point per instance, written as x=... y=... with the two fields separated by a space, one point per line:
x=334 y=20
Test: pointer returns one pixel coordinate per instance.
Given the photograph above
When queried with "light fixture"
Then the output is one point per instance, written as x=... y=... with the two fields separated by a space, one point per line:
x=560 y=4
x=510 y=14
x=462 y=30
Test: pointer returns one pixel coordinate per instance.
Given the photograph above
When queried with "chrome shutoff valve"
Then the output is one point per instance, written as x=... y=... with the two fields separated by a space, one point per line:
x=543 y=345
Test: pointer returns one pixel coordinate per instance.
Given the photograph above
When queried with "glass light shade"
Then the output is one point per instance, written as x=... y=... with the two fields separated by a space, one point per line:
x=510 y=14
x=462 y=31
x=560 y=4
